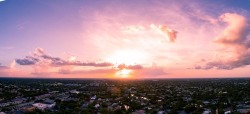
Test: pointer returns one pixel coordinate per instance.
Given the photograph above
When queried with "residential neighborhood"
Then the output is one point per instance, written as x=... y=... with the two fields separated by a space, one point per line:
x=107 y=96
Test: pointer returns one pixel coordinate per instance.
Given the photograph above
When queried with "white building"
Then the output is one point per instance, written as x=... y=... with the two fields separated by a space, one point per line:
x=206 y=112
x=74 y=91
x=40 y=106
x=43 y=106
x=97 y=106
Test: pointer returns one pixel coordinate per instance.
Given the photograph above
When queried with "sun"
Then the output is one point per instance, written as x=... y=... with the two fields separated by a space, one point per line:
x=128 y=57
x=124 y=73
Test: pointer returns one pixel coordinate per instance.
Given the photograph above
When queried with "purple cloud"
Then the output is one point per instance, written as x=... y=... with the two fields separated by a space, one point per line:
x=40 y=56
x=28 y=60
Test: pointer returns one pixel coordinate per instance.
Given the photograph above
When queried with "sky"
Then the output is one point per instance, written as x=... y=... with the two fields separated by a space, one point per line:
x=124 y=39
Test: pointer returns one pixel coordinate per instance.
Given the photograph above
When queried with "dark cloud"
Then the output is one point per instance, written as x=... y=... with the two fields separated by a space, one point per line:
x=25 y=62
x=132 y=67
x=197 y=67
x=39 y=56
x=28 y=60
x=234 y=42
x=55 y=59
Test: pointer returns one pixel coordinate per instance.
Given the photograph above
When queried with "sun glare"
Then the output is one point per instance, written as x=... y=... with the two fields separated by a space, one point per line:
x=128 y=57
x=72 y=59
x=124 y=73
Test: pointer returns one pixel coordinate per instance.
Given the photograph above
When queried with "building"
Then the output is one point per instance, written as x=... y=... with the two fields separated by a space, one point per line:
x=40 y=106
x=93 y=98
x=43 y=106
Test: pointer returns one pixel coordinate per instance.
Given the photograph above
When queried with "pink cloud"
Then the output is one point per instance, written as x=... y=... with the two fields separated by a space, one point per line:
x=171 y=34
x=234 y=43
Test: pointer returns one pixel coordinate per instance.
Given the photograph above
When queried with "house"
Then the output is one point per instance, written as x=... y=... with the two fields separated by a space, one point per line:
x=50 y=103
x=93 y=98
x=227 y=112
x=160 y=112
x=97 y=106
x=74 y=92
x=206 y=102
x=206 y=112
x=126 y=107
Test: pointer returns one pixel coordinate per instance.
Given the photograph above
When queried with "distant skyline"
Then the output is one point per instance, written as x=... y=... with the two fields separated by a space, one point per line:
x=124 y=39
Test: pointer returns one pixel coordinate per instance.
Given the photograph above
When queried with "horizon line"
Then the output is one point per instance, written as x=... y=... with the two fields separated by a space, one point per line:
x=128 y=78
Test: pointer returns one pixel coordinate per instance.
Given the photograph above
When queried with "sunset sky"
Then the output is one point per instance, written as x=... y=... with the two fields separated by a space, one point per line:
x=124 y=38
